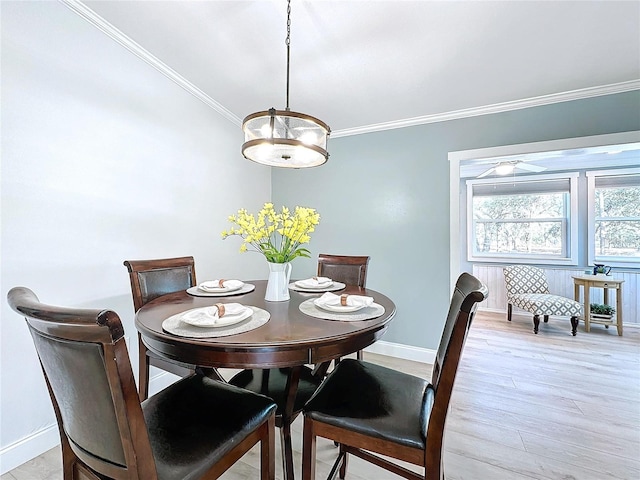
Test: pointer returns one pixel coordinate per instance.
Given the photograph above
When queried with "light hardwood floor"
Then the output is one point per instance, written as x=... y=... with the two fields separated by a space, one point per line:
x=525 y=406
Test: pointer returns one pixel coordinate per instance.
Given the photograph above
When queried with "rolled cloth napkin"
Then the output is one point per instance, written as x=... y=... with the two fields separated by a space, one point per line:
x=315 y=282
x=220 y=285
x=209 y=316
x=345 y=300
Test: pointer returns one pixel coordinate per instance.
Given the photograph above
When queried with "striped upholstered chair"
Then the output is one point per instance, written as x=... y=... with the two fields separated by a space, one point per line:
x=527 y=288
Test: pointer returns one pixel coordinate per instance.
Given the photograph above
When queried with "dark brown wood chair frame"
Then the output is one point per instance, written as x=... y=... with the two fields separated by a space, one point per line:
x=348 y=269
x=184 y=276
x=320 y=421
x=109 y=438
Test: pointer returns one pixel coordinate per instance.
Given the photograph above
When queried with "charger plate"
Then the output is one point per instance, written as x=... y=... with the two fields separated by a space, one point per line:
x=308 y=307
x=176 y=326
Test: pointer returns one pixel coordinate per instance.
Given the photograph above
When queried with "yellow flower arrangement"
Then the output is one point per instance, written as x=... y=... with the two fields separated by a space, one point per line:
x=277 y=235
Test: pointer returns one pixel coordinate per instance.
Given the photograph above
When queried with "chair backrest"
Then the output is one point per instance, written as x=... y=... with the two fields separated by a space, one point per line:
x=524 y=279
x=87 y=370
x=153 y=278
x=469 y=291
x=348 y=269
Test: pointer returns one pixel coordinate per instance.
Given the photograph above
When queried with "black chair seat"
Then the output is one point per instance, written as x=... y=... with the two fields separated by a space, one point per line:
x=186 y=443
x=373 y=400
x=275 y=388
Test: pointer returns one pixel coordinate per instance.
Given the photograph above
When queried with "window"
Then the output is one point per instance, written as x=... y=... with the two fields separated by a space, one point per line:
x=524 y=218
x=614 y=216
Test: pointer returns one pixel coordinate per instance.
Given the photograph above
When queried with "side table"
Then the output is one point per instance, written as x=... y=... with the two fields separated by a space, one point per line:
x=599 y=281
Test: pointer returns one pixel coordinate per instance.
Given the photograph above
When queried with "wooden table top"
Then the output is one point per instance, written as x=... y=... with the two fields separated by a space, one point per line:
x=289 y=338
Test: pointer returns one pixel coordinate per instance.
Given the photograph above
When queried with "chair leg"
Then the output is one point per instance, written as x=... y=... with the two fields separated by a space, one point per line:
x=308 y=451
x=574 y=326
x=338 y=465
x=536 y=323
x=546 y=318
x=268 y=451
x=345 y=460
x=360 y=355
x=509 y=311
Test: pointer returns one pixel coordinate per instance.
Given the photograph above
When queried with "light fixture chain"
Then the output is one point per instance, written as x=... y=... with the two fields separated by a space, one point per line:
x=288 y=44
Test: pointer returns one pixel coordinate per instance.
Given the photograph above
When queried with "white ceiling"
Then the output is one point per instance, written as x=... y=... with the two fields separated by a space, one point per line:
x=358 y=64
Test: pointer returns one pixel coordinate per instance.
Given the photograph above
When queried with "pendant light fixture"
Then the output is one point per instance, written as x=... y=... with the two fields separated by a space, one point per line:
x=282 y=138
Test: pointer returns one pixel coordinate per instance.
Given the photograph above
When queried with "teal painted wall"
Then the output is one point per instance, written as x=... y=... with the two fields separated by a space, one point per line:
x=386 y=195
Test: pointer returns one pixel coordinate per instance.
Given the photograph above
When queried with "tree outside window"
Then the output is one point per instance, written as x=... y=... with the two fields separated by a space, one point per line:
x=527 y=218
x=615 y=215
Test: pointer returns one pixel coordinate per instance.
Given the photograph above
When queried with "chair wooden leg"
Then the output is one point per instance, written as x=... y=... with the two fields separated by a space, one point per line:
x=337 y=466
x=360 y=355
x=509 y=311
x=574 y=326
x=536 y=323
x=308 y=451
x=268 y=452
x=546 y=318
x=345 y=460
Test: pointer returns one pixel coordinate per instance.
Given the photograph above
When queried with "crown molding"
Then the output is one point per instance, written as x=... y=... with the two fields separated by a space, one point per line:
x=111 y=31
x=495 y=108
x=89 y=15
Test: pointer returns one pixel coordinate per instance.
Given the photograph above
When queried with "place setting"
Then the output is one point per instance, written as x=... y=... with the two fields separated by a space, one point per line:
x=343 y=307
x=218 y=320
x=316 y=285
x=221 y=288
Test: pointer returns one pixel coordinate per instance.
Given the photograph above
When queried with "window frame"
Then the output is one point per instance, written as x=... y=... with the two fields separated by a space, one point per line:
x=615 y=261
x=569 y=223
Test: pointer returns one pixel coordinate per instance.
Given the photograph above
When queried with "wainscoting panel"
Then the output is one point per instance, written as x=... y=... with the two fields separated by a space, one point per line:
x=561 y=283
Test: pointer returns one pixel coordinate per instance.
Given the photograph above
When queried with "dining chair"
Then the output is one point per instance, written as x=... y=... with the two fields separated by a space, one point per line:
x=151 y=279
x=282 y=384
x=370 y=410
x=347 y=269
x=195 y=428
x=527 y=288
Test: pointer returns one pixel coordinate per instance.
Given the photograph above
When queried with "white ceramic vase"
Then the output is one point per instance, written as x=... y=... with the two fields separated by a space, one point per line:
x=278 y=282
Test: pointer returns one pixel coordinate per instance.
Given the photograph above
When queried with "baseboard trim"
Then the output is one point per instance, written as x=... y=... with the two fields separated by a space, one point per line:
x=29 y=447
x=405 y=352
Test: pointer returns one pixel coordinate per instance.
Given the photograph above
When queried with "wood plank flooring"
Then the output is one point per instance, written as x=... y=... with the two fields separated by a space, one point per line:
x=525 y=406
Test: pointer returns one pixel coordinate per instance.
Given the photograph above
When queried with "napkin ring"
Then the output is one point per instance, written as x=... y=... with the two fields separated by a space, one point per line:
x=220 y=282
x=220 y=307
x=343 y=299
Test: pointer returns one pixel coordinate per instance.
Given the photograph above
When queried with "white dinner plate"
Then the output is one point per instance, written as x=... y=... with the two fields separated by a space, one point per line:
x=334 y=286
x=220 y=289
x=304 y=284
x=204 y=317
x=338 y=308
x=197 y=292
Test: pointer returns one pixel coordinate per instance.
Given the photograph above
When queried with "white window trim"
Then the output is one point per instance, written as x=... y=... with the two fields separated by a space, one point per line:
x=572 y=218
x=591 y=215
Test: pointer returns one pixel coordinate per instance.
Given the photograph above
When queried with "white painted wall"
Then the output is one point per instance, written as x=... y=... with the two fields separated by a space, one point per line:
x=103 y=159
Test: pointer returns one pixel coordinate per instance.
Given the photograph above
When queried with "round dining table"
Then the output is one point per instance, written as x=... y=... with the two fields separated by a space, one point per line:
x=290 y=338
